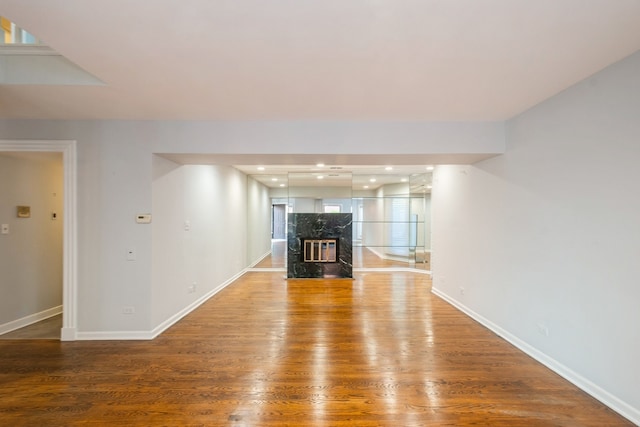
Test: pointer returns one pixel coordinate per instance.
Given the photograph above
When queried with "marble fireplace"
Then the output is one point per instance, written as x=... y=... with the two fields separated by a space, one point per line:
x=319 y=245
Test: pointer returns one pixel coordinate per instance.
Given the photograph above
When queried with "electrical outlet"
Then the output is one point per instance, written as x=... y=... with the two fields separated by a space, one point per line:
x=128 y=309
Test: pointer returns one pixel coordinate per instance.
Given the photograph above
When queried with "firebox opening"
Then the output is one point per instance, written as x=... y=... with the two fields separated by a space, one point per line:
x=320 y=250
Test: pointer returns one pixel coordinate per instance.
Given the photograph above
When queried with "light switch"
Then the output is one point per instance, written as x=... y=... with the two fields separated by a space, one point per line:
x=131 y=254
x=143 y=218
x=5 y=228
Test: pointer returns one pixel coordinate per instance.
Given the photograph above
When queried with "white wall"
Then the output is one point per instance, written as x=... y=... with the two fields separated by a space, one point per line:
x=199 y=233
x=545 y=238
x=302 y=204
x=114 y=177
x=373 y=223
x=31 y=254
x=258 y=221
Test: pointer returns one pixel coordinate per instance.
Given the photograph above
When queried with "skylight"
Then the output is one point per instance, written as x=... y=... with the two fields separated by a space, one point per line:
x=26 y=60
x=12 y=34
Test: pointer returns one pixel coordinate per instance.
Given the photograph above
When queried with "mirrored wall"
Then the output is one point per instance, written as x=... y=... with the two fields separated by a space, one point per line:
x=390 y=220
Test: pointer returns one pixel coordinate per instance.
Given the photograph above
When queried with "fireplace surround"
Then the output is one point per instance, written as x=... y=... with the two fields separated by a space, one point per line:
x=319 y=245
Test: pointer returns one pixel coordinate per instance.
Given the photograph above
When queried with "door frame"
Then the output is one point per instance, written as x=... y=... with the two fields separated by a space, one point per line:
x=69 y=232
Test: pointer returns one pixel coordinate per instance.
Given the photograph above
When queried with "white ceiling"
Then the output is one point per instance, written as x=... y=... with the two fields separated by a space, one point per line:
x=325 y=60
x=355 y=60
x=357 y=177
x=356 y=171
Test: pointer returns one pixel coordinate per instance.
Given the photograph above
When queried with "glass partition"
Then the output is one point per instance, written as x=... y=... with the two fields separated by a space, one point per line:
x=319 y=192
x=391 y=224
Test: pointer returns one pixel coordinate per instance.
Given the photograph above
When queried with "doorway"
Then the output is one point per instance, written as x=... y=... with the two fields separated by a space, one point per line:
x=68 y=332
x=278 y=221
x=31 y=214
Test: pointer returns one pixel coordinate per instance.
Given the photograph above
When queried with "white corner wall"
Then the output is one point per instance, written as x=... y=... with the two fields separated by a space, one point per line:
x=542 y=243
x=31 y=253
x=258 y=221
x=199 y=234
x=115 y=183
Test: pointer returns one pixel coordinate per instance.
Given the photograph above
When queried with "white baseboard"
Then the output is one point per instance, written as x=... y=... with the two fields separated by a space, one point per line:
x=30 y=319
x=392 y=257
x=149 y=335
x=114 y=336
x=267 y=269
x=260 y=259
x=613 y=402
x=390 y=270
x=68 y=334
x=197 y=303
x=388 y=256
x=378 y=254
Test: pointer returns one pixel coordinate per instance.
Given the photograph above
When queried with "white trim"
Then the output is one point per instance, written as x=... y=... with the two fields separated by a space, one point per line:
x=149 y=335
x=392 y=257
x=375 y=252
x=355 y=270
x=113 y=336
x=27 y=49
x=260 y=259
x=69 y=251
x=613 y=402
x=390 y=270
x=30 y=319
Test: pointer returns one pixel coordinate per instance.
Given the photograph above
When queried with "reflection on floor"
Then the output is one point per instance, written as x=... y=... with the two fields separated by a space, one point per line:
x=48 y=329
x=362 y=258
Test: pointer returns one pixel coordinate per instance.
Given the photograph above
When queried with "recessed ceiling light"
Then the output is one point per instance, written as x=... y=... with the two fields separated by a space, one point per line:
x=429 y=168
x=281 y=185
x=388 y=168
x=372 y=180
x=404 y=180
x=274 y=179
x=429 y=187
x=320 y=176
x=260 y=168
x=366 y=186
x=320 y=165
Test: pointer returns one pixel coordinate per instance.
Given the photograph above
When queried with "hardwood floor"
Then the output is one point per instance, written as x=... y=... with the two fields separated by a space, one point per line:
x=48 y=329
x=379 y=350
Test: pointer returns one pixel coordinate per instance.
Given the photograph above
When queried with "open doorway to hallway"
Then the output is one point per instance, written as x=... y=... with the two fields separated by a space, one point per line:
x=278 y=221
x=67 y=149
x=31 y=244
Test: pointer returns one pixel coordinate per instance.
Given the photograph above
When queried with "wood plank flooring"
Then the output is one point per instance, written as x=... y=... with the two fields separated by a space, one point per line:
x=379 y=350
x=43 y=330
